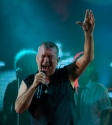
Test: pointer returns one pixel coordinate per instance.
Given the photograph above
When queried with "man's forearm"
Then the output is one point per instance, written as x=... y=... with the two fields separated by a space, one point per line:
x=89 y=46
x=105 y=119
x=23 y=102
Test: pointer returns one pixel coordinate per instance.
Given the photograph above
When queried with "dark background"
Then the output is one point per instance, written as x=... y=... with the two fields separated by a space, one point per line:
x=27 y=23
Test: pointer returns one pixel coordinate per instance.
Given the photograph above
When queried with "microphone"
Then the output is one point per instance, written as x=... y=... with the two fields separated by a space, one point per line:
x=47 y=80
x=18 y=72
x=43 y=72
x=18 y=69
x=42 y=89
x=43 y=86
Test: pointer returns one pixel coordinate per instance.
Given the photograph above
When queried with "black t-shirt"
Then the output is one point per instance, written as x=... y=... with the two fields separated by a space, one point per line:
x=56 y=106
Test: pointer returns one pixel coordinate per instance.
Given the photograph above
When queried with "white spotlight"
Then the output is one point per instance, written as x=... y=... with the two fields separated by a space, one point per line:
x=111 y=64
x=2 y=63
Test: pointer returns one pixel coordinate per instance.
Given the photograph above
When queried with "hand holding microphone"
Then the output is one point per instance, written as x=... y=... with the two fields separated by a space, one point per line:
x=40 y=78
x=40 y=84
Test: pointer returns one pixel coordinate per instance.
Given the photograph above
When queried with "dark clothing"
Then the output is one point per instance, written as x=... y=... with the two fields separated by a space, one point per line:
x=110 y=120
x=56 y=107
x=8 y=106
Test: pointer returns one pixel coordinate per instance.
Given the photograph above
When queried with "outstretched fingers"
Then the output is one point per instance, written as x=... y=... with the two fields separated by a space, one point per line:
x=92 y=18
x=89 y=21
x=87 y=16
x=80 y=23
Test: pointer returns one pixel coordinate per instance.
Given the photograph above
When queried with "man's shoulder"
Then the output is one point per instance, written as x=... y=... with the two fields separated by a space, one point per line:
x=62 y=70
x=100 y=86
x=31 y=76
x=12 y=84
x=29 y=80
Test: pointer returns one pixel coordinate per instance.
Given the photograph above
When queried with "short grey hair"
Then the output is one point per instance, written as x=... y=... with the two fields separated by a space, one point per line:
x=50 y=45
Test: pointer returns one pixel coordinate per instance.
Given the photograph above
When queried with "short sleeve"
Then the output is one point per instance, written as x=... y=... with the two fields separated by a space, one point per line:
x=104 y=102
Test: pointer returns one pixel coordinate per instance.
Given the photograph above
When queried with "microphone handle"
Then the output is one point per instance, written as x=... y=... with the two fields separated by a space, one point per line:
x=41 y=89
x=43 y=71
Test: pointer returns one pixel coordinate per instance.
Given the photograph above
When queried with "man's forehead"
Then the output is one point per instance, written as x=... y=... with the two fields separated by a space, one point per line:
x=44 y=50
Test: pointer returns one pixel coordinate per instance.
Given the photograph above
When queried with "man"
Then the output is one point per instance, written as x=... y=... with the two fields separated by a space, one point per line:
x=49 y=94
x=92 y=100
x=24 y=64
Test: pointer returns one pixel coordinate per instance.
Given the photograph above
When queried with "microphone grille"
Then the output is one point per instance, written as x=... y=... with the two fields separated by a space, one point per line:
x=43 y=71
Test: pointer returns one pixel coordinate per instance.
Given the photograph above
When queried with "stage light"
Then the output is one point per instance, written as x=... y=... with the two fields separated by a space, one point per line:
x=111 y=64
x=2 y=63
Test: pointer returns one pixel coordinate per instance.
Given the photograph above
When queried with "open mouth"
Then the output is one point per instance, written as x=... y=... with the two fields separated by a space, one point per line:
x=45 y=68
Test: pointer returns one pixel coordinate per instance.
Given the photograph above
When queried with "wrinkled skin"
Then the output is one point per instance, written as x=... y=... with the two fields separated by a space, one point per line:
x=47 y=60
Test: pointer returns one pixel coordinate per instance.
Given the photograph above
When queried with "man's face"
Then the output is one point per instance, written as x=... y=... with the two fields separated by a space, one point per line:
x=47 y=60
x=94 y=76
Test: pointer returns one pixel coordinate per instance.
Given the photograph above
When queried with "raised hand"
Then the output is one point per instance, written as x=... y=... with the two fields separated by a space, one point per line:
x=89 y=22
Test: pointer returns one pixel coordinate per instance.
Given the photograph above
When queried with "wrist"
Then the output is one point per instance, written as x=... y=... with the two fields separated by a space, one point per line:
x=88 y=33
x=34 y=86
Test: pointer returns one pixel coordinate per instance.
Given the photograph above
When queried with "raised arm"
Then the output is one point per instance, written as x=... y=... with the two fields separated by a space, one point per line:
x=76 y=68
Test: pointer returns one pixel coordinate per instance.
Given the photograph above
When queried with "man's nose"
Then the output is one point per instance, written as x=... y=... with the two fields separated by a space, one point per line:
x=46 y=60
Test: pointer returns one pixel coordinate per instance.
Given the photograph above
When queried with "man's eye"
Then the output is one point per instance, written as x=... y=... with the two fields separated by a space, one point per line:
x=50 y=57
x=43 y=56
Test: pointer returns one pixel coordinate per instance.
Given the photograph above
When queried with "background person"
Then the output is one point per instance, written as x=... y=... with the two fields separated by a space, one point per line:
x=24 y=64
x=91 y=98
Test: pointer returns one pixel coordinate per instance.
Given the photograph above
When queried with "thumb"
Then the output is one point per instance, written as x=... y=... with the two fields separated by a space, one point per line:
x=80 y=23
